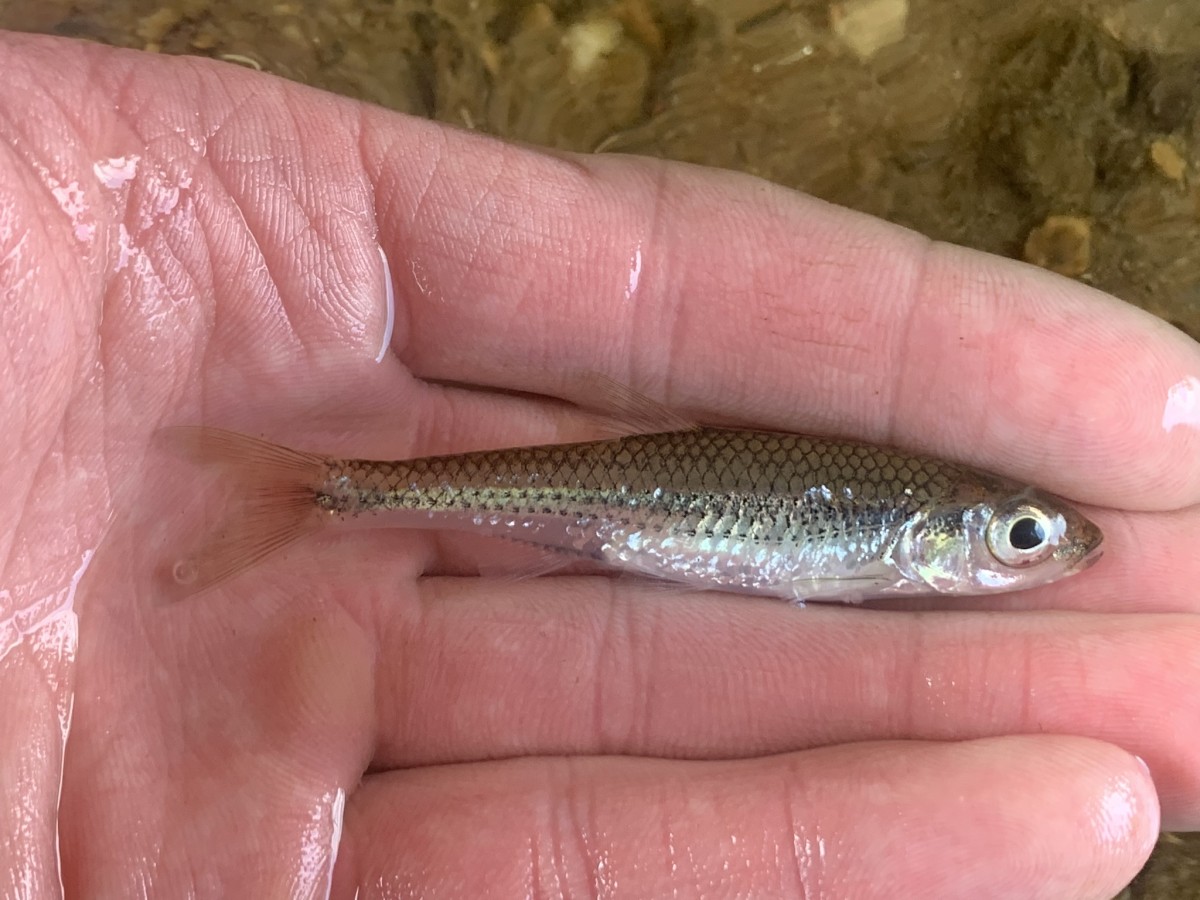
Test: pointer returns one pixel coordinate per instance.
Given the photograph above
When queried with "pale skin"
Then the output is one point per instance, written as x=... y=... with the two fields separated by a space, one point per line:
x=560 y=736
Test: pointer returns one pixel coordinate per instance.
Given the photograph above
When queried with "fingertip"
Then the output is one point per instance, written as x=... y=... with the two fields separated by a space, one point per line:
x=1099 y=807
x=1128 y=811
x=1051 y=381
x=1038 y=816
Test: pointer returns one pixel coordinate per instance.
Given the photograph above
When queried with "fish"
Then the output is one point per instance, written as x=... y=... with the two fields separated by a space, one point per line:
x=773 y=514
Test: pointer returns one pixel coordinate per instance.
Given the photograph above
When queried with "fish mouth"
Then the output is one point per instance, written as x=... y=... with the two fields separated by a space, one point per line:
x=1088 y=556
x=1089 y=559
x=1089 y=545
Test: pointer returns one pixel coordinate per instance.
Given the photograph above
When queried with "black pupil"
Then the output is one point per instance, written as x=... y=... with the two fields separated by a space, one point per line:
x=1026 y=534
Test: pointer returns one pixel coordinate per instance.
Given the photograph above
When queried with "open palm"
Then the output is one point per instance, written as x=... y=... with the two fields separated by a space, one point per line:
x=187 y=242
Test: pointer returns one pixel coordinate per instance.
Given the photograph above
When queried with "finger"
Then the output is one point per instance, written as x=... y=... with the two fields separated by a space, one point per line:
x=728 y=296
x=1019 y=817
x=578 y=665
x=750 y=301
x=512 y=269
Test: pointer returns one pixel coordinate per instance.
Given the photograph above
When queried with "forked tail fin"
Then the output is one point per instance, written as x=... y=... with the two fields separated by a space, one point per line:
x=272 y=503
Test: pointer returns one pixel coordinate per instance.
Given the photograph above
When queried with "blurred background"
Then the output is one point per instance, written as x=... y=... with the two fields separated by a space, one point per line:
x=1060 y=132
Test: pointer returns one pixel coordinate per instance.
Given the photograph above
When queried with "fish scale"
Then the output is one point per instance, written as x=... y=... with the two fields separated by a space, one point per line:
x=711 y=461
x=686 y=506
x=757 y=512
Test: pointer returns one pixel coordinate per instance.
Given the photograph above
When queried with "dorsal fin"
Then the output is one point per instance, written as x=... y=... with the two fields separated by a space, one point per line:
x=621 y=410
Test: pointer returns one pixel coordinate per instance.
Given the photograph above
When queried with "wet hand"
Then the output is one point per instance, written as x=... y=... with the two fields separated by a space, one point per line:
x=181 y=241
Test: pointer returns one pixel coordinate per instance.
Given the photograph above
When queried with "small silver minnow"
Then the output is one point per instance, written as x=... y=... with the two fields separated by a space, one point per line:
x=753 y=512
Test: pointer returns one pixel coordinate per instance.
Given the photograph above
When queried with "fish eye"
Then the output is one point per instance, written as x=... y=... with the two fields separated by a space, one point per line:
x=1020 y=537
x=1026 y=533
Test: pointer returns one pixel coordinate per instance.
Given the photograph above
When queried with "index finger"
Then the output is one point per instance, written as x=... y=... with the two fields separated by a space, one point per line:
x=731 y=297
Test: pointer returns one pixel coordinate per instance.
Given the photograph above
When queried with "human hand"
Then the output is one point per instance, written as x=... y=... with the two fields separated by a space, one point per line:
x=181 y=241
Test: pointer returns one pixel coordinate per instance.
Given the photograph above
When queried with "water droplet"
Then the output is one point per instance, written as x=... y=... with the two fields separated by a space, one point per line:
x=1183 y=404
x=389 y=299
x=116 y=171
x=185 y=571
x=635 y=272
